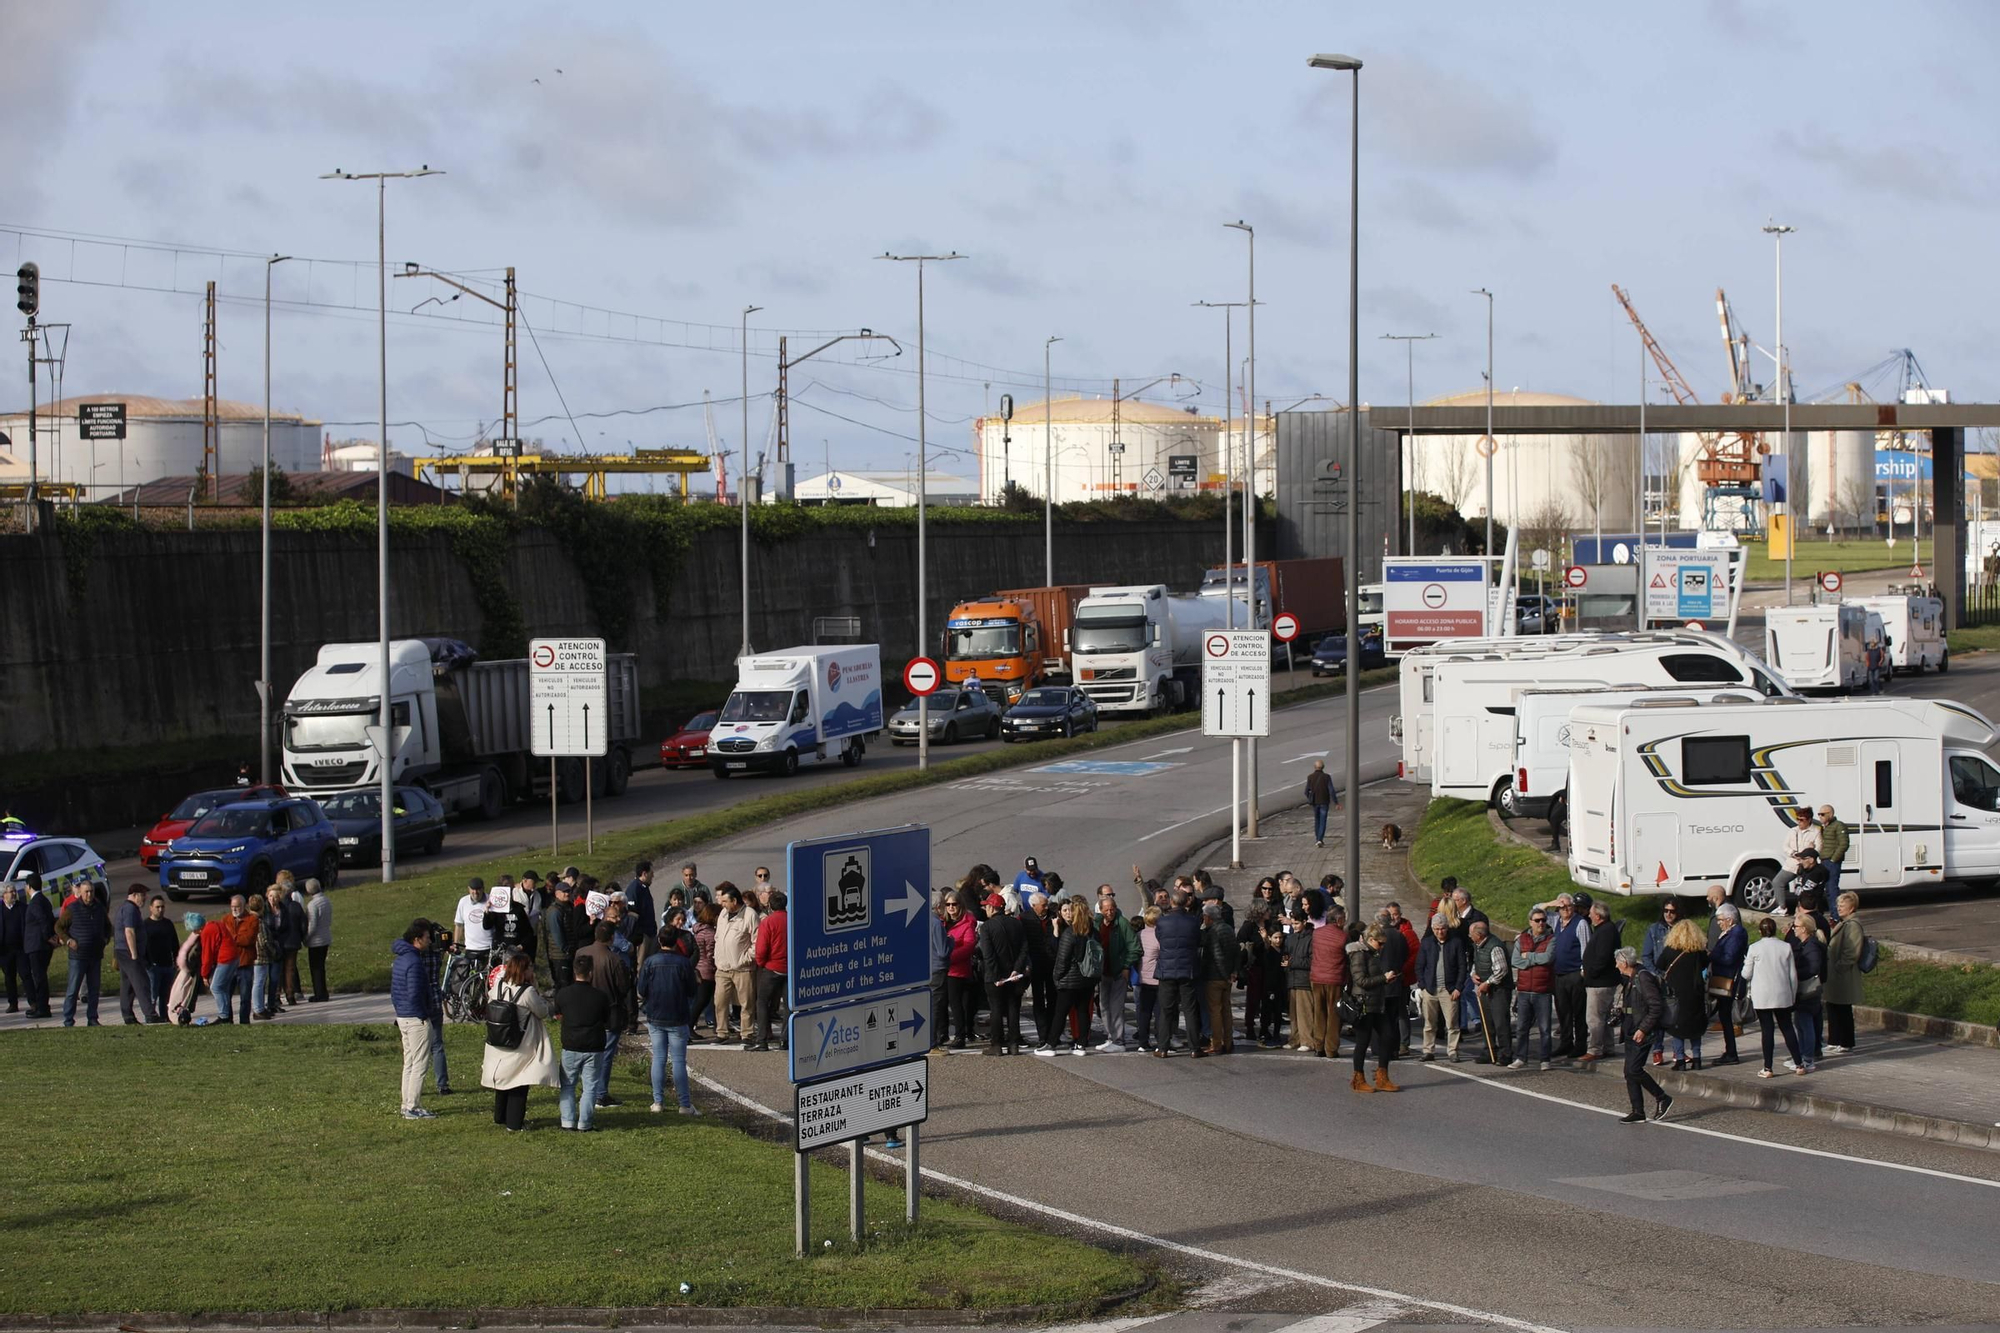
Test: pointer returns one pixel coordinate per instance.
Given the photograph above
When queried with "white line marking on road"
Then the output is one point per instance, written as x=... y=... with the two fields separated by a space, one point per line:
x=1110 y=1325
x=1734 y=1138
x=1310 y=754
x=1184 y=749
x=1223 y=809
x=1347 y=1322
x=1127 y=1233
x=1232 y=1287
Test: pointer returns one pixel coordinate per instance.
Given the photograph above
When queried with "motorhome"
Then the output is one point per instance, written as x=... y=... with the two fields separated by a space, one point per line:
x=1675 y=796
x=806 y=705
x=1915 y=626
x=1818 y=647
x=1666 y=657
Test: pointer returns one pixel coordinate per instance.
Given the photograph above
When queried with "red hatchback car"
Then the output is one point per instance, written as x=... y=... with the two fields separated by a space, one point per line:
x=177 y=821
x=688 y=747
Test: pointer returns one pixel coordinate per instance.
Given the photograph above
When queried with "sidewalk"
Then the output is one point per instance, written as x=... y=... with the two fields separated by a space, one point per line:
x=1892 y=1082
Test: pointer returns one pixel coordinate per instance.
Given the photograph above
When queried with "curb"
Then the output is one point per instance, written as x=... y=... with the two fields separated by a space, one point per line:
x=1923 y=1025
x=1834 y=1110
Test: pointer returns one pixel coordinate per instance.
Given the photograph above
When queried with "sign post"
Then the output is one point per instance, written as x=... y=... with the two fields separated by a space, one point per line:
x=1236 y=702
x=567 y=684
x=858 y=990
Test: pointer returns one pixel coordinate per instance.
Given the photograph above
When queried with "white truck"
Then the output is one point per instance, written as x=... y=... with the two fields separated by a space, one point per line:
x=1914 y=623
x=1822 y=647
x=1138 y=649
x=460 y=726
x=1673 y=797
x=1628 y=658
x=807 y=705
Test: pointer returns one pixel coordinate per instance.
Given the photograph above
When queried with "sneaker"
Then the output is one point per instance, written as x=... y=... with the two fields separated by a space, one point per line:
x=1635 y=1118
x=1110 y=1046
x=1045 y=1050
x=1428 y=1057
x=1834 y=1050
x=1792 y=1065
x=1078 y=1050
x=1302 y=1048
x=1546 y=1066
x=418 y=1113
x=1665 y=1105
x=608 y=1102
x=1517 y=1064
x=567 y=1126
x=689 y=1110
x=657 y=1108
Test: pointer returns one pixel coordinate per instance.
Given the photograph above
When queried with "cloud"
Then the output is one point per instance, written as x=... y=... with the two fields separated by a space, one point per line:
x=997 y=276
x=1404 y=310
x=793 y=279
x=1423 y=203
x=45 y=45
x=1426 y=116
x=1283 y=220
x=1912 y=171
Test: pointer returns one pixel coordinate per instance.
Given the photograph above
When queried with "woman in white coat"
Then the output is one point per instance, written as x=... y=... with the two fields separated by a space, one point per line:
x=1774 y=982
x=532 y=1061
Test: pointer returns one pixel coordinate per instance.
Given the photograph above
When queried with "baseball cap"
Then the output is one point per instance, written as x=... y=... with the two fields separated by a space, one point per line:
x=1031 y=864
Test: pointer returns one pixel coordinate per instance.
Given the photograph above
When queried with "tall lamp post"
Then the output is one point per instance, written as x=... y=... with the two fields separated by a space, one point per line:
x=1048 y=470
x=386 y=745
x=923 y=479
x=1492 y=445
x=1352 y=824
x=1250 y=493
x=1778 y=232
x=743 y=481
x=264 y=594
x=1410 y=341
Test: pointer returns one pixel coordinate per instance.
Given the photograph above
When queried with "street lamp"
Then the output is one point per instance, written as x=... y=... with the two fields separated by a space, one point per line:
x=386 y=747
x=743 y=482
x=923 y=479
x=264 y=611
x=1492 y=445
x=1048 y=471
x=1778 y=232
x=1228 y=309
x=1410 y=341
x=1352 y=571
x=1250 y=493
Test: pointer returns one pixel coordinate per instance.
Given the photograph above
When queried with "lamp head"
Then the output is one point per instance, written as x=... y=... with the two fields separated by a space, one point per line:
x=1339 y=62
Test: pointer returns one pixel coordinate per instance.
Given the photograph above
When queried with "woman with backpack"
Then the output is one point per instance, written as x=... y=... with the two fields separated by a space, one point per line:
x=1075 y=981
x=519 y=1055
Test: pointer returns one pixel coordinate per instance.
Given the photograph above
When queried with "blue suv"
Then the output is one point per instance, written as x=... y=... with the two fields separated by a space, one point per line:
x=240 y=848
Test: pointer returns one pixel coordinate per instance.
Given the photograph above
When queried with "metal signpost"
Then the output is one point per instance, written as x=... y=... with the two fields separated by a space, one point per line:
x=1236 y=702
x=858 y=936
x=569 y=713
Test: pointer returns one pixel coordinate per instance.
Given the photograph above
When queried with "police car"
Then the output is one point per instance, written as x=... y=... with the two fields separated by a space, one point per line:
x=61 y=862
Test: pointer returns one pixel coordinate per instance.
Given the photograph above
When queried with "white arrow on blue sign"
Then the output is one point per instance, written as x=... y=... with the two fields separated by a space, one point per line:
x=858 y=917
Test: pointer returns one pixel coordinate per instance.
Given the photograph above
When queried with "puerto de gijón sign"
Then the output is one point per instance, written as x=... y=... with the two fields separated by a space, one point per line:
x=568 y=698
x=858 y=922
x=1425 y=600
x=844 y=1038
x=838 y=1109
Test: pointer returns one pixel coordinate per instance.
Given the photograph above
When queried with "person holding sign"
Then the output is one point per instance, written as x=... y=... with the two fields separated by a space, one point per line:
x=470 y=929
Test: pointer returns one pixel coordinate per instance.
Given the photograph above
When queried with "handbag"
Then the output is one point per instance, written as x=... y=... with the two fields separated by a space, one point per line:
x=1810 y=987
x=1869 y=956
x=1721 y=986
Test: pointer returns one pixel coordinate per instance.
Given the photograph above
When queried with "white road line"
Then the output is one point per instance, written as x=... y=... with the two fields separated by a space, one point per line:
x=1733 y=1138
x=1310 y=754
x=1338 y=1323
x=1223 y=809
x=1157 y=1242
x=1110 y=1325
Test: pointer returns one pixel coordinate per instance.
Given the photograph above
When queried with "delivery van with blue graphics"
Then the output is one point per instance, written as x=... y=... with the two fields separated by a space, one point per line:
x=792 y=706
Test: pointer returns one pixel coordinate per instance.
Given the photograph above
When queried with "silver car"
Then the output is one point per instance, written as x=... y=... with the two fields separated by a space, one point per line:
x=961 y=715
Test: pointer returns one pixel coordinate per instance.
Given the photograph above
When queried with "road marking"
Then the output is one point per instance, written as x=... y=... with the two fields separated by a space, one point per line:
x=1122 y=768
x=1184 y=749
x=1733 y=1138
x=1157 y=1242
x=1340 y=1323
x=1310 y=754
x=1111 y=1325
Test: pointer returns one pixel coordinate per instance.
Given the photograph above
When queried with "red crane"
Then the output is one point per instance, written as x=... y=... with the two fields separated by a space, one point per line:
x=1731 y=462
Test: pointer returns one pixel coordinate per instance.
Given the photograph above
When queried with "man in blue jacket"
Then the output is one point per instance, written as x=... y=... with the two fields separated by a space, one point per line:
x=414 y=995
x=1178 y=971
x=1440 y=981
x=1572 y=933
x=84 y=928
x=667 y=987
x=1725 y=962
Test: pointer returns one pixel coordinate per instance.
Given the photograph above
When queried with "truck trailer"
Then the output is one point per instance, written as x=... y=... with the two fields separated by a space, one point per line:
x=1311 y=590
x=461 y=726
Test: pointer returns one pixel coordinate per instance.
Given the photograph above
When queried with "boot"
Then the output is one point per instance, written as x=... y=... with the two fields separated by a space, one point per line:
x=1361 y=1082
x=1382 y=1083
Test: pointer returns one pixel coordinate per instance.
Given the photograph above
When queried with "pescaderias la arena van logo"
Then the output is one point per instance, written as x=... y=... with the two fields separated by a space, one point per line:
x=833 y=675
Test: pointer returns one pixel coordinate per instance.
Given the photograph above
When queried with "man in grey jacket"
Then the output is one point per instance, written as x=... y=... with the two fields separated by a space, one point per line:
x=319 y=937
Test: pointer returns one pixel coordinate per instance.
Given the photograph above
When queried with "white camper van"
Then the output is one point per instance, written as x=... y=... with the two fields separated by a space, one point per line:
x=1819 y=647
x=1634 y=659
x=1674 y=797
x=1915 y=626
x=1542 y=737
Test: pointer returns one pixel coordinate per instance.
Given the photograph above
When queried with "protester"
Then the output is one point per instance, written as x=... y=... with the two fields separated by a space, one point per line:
x=414 y=998
x=703 y=916
x=1683 y=964
x=1399 y=960
x=1644 y=1011
x=1834 y=837
x=1220 y=963
x=960 y=935
x=761 y=888
x=436 y=952
x=13 y=933
x=1808 y=1005
x=691 y=883
x=1149 y=974
x=772 y=968
x=735 y=958
x=1442 y=967
x=83 y=928
x=1492 y=990
x=1030 y=879
x=469 y=926
x=589 y=1027
x=1328 y=978
x=639 y=896
x=1375 y=991
x=940 y=956
x=1600 y=984
x=187 y=972
x=1725 y=967
x=291 y=938
x=135 y=983
x=1843 y=975
x=1773 y=980
x=1322 y=796
x=668 y=991
x=1006 y=961
x=1572 y=933
x=1037 y=915
x=1801 y=837
x=1297 y=943
x=610 y=975
x=531 y=1060
x=1119 y=940
x=1250 y=950
x=562 y=932
x=159 y=943
x=512 y=928
x=1533 y=961
x=318 y=937
x=38 y=942
x=265 y=955
x=1074 y=984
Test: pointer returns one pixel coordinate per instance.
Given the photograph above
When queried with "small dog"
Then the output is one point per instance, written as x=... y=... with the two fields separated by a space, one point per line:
x=1391 y=835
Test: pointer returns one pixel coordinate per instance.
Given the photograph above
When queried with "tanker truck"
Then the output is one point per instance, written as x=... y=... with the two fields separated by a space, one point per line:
x=1138 y=649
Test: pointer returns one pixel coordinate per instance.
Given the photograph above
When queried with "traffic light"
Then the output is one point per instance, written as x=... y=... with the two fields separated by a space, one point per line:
x=28 y=289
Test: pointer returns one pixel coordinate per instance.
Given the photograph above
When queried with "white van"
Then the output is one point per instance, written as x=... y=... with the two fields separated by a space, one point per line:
x=1915 y=626
x=1818 y=647
x=1674 y=797
x=810 y=704
x=1654 y=657
x=1540 y=789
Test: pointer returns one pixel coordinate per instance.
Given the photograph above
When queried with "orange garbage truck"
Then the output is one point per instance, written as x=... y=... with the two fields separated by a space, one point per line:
x=1010 y=641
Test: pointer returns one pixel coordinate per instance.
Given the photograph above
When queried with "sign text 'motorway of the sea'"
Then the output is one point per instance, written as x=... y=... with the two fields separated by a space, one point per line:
x=568 y=697
x=839 y=1109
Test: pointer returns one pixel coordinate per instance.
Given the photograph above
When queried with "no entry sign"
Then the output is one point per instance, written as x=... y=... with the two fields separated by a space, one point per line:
x=1285 y=626
x=1576 y=576
x=922 y=676
x=1830 y=580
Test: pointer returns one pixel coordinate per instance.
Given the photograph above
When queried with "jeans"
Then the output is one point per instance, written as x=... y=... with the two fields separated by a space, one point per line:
x=83 y=975
x=261 y=998
x=135 y=991
x=439 y=1072
x=603 y=1074
x=670 y=1044
x=1532 y=1009
x=1806 y=1019
x=1684 y=1050
x=160 y=976
x=1111 y=1003
x=1832 y=886
x=579 y=1081
x=1493 y=1009
x=222 y=985
x=1638 y=1077
x=316 y=962
x=1319 y=822
x=416 y=1034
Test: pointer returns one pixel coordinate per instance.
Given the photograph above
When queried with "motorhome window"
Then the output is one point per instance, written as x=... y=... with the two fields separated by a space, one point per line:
x=1427 y=688
x=1715 y=761
x=1975 y=784
x=964 y=644
x=1117 y=633
x=1701 y=668
x=756 y=706
x=1885 y=784
x=1497 y=711
x=1769 y=688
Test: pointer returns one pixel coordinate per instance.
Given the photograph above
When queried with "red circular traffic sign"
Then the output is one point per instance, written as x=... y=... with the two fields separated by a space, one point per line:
x=1696 y=624
x=1434 y=595
x=1285 y=626
x=1576 y=576
x=922 y=676
x=1217 y=645
x=1830 y=580
x=545 y=656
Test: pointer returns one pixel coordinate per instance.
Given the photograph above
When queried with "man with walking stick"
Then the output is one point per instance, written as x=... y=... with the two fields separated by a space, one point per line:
x=1492 y=991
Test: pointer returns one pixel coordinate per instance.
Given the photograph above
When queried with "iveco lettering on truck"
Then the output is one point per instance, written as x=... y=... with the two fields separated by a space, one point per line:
x=460 y=724
x=1676 y=797
x=797 y=706
x=1138 y=649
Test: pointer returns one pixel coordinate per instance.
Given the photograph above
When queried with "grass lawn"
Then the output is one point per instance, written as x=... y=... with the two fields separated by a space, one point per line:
x=1507 y=879
x=367 y=915
x=1812 y=554
x=1978 y=638
x=214 y=1170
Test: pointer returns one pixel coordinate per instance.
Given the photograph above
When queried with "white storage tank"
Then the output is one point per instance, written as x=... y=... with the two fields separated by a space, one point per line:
x=1086 y=462
x=163 y=438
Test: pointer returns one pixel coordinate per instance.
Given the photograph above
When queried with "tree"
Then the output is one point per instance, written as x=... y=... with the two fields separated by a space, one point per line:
x=282 y=490
x=1543 y=528
x=1855 y=507
x=1458 y=468
x=1016 y=499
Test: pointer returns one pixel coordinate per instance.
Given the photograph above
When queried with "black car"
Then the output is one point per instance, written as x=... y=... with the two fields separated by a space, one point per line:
x=1049 y=711
x=1330 y=657
x=357 y=819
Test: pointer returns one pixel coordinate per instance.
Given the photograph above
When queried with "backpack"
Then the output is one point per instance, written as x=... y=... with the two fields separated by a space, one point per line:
x=506 y=1021
x=1092 y=963
x=1869 y=956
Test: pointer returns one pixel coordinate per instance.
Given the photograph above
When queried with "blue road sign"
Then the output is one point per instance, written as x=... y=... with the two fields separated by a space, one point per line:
x=843 y=1038
x=859 y=917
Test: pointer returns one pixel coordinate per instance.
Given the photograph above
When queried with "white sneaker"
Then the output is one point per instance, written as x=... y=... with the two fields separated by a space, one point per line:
x=657 y=1108
x=1791 y=1064
x=1546 y=1066
x=689 y=1110
x=1304 y=1048
x=1078 y=1050
x=1045 y=1050
x=1110 y=1046
x=1517 y=1064
x=1834 y=1050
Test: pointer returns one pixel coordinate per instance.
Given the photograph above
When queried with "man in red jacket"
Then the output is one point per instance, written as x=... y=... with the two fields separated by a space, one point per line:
x=1329 y=977
x=769 y=956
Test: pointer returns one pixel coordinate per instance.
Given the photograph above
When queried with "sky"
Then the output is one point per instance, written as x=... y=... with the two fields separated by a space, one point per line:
x=674 y=163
